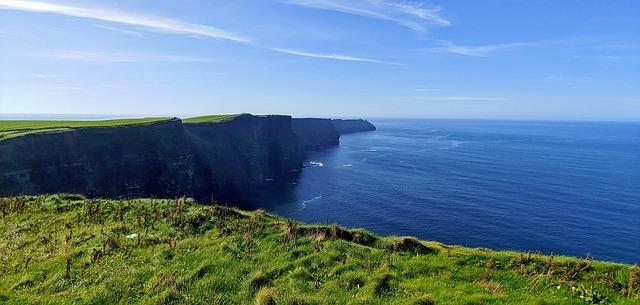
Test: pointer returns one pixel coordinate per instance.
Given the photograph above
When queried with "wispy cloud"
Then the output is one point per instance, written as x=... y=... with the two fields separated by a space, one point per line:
x=89 y=89
x=147 y=21
x=320 y=55
x=423 y=89
x=68 y=88
x=120 y=31
x=413 y=15
x=49 y=75
x=115 y=57
x=122 y=57
x=165 y=25
x=484 y=50
x=450 y=98
x=608 y=46
x=603 y=57
x=605 y=51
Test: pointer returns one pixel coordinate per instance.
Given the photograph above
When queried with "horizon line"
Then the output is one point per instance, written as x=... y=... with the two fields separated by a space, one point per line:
x=97 y=116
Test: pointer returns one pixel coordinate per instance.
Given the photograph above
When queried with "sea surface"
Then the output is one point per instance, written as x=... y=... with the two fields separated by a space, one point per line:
x=570 y=188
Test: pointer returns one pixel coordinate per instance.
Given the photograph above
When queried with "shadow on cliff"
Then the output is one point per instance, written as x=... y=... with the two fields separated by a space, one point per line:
x=282 y=189
x=241 y=160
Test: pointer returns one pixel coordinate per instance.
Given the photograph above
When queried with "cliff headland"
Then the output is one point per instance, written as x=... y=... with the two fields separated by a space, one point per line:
x=346 y=126
x=209 y=158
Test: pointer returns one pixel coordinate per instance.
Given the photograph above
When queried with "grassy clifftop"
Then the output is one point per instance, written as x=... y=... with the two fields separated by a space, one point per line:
x=210 y=118
x=13 y=128
x=65 y=249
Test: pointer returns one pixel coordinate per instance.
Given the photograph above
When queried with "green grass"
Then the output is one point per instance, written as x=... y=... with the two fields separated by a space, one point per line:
x=13 y=128
x=63 y=249
x=210 y=118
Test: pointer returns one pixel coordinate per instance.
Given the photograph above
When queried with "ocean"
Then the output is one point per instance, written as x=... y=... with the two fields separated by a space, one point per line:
x=568 y=188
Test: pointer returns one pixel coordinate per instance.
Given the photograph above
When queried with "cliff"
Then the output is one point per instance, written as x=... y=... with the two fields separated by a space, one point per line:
x=352 y=126
x=168 y=159
x=227 y=157
x=126 y=161
x=316 y=134
x=232 y=159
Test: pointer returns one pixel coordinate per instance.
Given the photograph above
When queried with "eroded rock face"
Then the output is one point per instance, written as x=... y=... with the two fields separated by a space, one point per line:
x=225 y=161
x=316 y=134
x=167 y=159
x=127 y=161
x=234 y=158
x=352 y=126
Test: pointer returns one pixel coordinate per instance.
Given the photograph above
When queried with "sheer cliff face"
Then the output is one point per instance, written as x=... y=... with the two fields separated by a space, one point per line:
x=229 y=161
x=234 y=159
x=316 y=134
x=170 y=159
x=352 y=126
x=144 y=160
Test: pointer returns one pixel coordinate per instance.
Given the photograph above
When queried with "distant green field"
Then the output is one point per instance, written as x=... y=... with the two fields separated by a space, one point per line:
x=13 y=128
x=210 y=118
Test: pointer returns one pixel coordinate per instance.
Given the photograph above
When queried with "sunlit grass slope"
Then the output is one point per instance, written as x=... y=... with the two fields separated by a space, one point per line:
x=65 y=249
x=210 y=118
x=12 y=128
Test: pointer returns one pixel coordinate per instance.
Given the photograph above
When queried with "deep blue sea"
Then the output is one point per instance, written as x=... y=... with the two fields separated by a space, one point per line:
x=570 y=188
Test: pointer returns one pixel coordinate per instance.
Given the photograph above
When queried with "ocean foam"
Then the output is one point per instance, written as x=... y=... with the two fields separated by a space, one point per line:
x=304 y=202
x=314 y=164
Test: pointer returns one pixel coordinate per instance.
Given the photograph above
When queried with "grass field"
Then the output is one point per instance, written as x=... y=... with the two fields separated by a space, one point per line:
x=210 y=118
x=63 y=249
x=13 y=128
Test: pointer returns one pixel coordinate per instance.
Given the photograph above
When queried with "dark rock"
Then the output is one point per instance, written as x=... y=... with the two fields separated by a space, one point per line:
x=351 y=126
x=166 y=160
x=316 y=134
x=128 y=161
x=233 y=158
x=222 y=161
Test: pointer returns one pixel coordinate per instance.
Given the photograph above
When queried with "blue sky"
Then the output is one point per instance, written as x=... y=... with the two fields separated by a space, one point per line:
x=373 y=58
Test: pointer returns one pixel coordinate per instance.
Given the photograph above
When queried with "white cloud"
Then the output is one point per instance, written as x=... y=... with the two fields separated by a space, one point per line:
x=113 y=57
x=423 y=89
x=121 y=57
x=69 y=88
x=601 y=57
x=49 y=75
x=162 y=24
x=564 y=44
x=320 y=55
x=121 y=31
x=452 y=98
x=147 y=21
x=413 y=15
x=484 y=50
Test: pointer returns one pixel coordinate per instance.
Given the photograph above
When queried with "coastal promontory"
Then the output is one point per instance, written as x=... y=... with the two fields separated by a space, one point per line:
x=209 y=158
